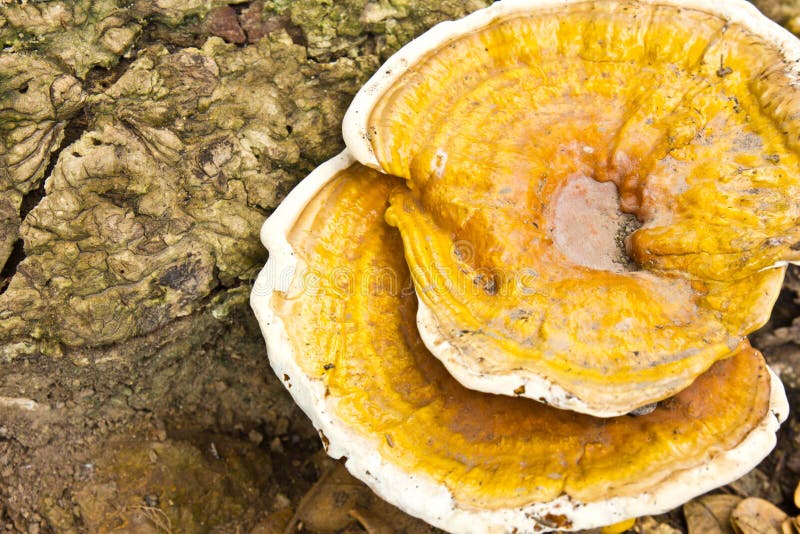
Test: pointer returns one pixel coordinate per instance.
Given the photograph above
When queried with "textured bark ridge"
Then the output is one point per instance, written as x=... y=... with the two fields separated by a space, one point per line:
x=142 y=144
x=159 y=202
x=37 y=98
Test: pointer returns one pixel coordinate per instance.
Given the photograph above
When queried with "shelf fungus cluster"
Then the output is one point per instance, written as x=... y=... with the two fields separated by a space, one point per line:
x=519 y=299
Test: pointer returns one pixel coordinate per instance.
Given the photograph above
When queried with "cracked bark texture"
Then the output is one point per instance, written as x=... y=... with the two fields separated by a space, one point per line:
x=142 y=144
x=37 y=98
x=159 y=203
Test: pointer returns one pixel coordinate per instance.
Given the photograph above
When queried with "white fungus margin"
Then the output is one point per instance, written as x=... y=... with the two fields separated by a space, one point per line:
x=421 y=495
x=355 y=124
x=357 y=138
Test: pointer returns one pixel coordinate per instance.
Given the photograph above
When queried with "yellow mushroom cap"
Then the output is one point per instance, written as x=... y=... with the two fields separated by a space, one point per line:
x=337 y=310
x=535 y=135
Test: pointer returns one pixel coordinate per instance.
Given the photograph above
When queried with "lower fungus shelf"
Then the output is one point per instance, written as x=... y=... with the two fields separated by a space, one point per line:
x=461 y=459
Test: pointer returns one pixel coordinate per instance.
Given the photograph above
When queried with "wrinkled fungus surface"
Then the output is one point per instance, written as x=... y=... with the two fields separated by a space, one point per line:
x=686 y=118
x=338 y=313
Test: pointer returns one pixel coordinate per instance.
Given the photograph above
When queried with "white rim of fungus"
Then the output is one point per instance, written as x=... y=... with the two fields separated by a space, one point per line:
x=357 y=139
x=513 y=382
x=355 y=125
x=419 y=494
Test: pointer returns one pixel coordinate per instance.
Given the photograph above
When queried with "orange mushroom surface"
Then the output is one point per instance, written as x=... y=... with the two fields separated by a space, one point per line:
x=599 y=196
x=337 y=310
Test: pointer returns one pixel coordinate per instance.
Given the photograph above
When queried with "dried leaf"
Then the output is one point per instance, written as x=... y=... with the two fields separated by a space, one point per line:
x=757 y=516
x=648 y=525
x=338 y=500
x=328 y=503
x=710 y=514
x=371 y=522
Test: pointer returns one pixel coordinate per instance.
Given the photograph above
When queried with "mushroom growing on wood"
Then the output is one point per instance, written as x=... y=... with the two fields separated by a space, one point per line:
x=336 y=309
x=601 y=195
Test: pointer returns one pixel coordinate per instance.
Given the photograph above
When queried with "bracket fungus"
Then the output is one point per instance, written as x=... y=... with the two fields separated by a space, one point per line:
x=534 y=135
x=583 y=206
x=335 y=308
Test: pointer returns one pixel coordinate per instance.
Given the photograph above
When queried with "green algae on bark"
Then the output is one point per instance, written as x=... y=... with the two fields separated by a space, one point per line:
x=37 y=98
x=160 y=202
x=84 y=34
x=333 y=29
x=80 y=34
